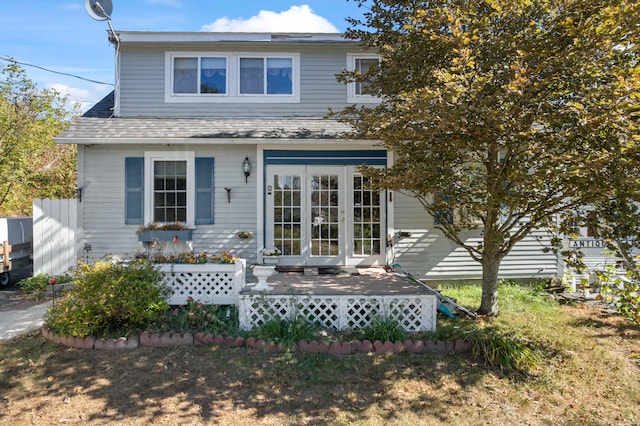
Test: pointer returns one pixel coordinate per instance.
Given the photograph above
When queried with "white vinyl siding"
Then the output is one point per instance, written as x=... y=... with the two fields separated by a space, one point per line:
x=102 y=207
x=425 y=252
x=143 y=88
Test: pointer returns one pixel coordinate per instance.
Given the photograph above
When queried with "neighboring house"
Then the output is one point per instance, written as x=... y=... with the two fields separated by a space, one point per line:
x=190 y=108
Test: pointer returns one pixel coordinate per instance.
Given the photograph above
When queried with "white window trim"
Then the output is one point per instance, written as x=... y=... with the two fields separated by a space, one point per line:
x=352 y=97
x=233 y=81
x=190 y=55
x=149 y=158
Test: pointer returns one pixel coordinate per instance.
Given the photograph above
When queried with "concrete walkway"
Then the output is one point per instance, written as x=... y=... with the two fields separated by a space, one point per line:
x=16 y=322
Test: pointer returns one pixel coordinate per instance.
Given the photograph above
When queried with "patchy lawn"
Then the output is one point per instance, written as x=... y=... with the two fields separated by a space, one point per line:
x=591 y=375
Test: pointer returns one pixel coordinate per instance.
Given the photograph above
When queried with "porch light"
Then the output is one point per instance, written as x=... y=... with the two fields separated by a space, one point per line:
x=246 y=167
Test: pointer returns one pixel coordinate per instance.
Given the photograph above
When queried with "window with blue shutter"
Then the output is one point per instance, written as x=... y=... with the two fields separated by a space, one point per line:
x=204 y=191
x=134 y=190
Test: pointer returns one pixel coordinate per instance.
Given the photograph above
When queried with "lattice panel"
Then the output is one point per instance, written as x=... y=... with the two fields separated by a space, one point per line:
x=209 y=283
x=325 y=312
x=203 y=286
x=413 y=313
x=360 y=312
x=262 y=309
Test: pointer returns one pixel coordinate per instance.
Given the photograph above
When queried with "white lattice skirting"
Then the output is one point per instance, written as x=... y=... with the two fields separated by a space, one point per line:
x=413 y=313
x=210 y=283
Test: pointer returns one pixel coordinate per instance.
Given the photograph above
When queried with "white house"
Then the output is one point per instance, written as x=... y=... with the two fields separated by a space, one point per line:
x=191 y=110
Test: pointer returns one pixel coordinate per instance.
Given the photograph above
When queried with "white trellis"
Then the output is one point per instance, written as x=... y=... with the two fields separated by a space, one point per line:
x=413 y=313
x=210 y=283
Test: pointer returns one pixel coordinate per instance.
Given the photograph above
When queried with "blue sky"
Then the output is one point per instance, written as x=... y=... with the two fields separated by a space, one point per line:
x=60 y=36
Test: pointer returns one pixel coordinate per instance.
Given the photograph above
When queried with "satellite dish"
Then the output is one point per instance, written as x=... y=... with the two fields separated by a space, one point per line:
x=99 y=10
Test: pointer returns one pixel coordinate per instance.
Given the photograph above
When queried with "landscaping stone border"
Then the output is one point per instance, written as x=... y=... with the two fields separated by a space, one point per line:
x=164 y=340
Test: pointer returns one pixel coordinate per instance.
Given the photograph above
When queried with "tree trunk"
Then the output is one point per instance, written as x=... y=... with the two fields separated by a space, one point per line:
x=489 y=302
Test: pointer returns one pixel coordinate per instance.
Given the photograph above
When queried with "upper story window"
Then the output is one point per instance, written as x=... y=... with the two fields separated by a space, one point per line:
x=246 y=77
x=200 y=75
x=358 y=92
x=266 y=76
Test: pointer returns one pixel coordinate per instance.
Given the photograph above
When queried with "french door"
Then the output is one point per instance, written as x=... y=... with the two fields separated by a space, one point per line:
x=322 y=216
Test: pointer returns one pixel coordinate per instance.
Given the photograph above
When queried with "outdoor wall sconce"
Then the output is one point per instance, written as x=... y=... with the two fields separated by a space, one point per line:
x=79 y=194
x=228 y=194
x=246 y=167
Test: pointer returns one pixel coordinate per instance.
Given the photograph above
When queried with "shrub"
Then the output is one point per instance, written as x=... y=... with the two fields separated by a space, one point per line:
x=108 y=298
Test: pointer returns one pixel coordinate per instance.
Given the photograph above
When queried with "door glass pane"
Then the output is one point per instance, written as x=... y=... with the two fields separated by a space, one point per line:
x=366 y=218
x=324 y=215
x=286 y=214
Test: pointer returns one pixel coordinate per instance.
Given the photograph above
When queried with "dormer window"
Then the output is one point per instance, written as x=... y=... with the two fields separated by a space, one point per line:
x=230 y=77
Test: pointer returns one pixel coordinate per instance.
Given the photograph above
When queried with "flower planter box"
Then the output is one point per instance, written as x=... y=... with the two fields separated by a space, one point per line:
x=150 y=236
x=209 y=283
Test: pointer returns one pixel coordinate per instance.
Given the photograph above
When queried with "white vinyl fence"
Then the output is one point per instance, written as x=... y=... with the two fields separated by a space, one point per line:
x=55 y=236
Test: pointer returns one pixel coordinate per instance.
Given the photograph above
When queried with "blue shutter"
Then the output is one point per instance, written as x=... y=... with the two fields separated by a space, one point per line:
x=204 y=191
x=134 y=190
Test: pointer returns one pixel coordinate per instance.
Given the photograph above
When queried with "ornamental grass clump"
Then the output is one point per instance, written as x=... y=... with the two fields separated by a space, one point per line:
x=507 y=351
x=385 y=330
x=110 y=298
x=287 y=331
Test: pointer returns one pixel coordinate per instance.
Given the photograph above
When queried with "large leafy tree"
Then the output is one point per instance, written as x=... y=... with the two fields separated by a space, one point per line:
x=501 y=114
x=31 y=164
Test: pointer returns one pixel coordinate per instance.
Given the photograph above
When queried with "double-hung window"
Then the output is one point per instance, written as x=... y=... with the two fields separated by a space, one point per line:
x=359 y=91
x=232 y=77
x=167 y=187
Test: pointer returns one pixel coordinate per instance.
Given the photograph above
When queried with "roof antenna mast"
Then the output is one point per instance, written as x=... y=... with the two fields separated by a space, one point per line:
x=100 y=10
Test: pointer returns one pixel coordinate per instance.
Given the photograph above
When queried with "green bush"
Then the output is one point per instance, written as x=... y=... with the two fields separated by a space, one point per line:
x=110 y=298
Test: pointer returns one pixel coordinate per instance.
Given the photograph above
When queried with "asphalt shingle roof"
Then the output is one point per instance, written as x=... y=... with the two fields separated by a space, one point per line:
x=97 y=126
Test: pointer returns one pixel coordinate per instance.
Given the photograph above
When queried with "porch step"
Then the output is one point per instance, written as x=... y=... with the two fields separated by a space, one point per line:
x=311 y=271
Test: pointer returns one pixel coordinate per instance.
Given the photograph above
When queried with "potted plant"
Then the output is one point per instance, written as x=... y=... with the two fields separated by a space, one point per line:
x=271 y=256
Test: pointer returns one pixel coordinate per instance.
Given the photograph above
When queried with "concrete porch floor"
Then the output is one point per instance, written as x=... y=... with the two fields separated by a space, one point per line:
x=368 y=281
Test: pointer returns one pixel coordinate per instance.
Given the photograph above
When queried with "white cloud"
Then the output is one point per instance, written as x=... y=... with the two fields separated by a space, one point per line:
x=86 y=98
x=298 y=19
